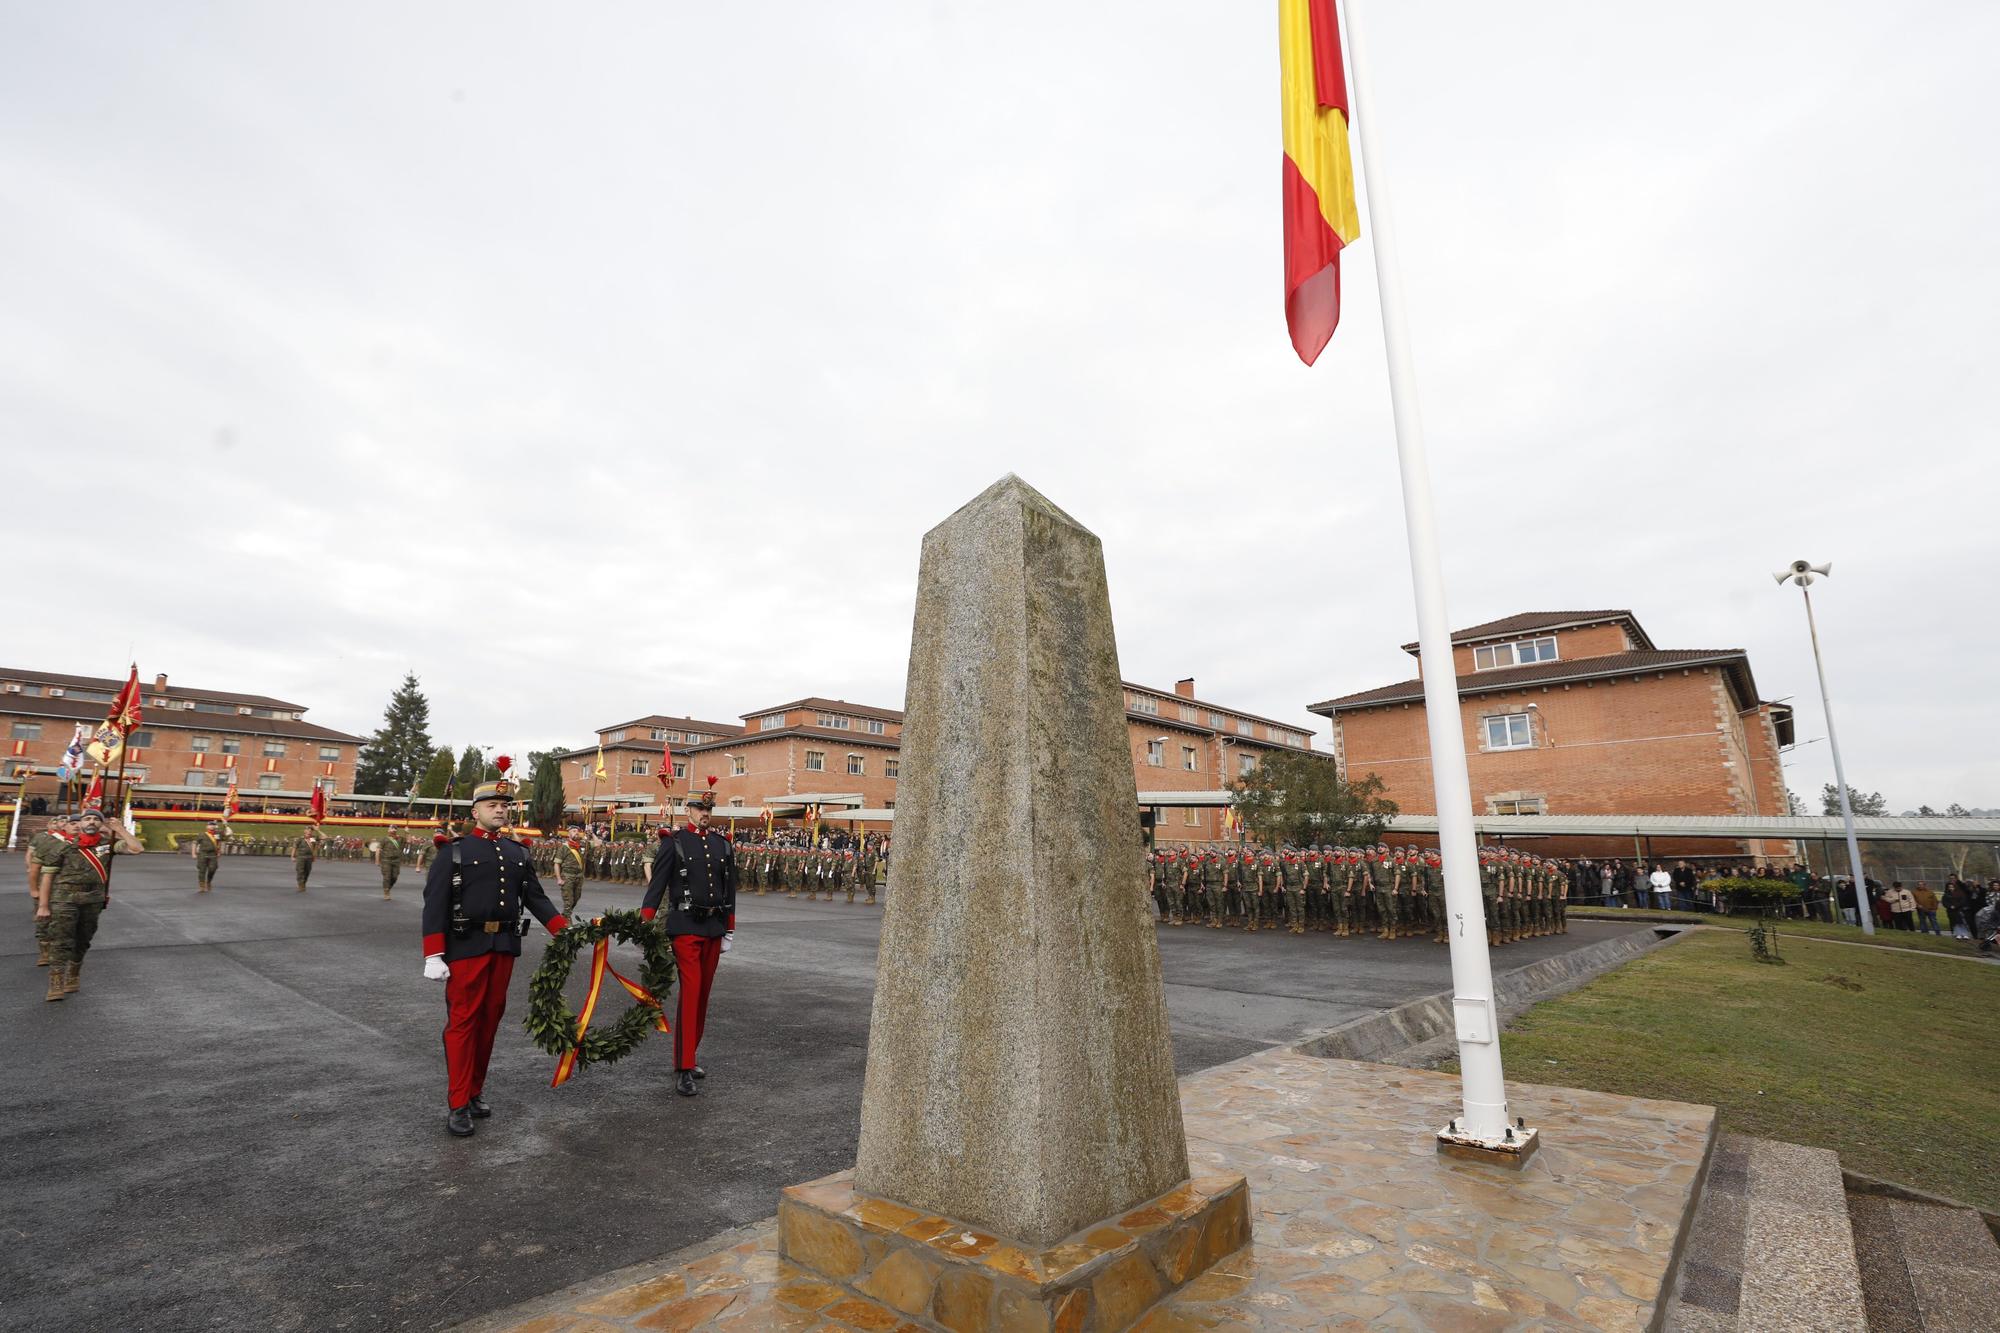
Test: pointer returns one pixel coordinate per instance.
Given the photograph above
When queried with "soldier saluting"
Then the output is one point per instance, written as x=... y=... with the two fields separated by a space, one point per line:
x=694 y=876
x=478 y=887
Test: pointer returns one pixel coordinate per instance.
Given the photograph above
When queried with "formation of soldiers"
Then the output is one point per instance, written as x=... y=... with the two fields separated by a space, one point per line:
x=808 y=872
x=1390 y=893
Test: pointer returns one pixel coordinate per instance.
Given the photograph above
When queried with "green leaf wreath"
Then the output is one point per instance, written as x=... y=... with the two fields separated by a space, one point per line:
x=551 y=1023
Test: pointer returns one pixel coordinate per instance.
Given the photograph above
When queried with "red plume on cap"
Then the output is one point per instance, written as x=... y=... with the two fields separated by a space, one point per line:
x=711 y=782
x=503 y=762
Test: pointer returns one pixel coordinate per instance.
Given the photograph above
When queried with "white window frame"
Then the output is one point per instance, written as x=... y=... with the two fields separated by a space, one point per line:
x=738 y=766
x=26 y=731
x=892 y=768
x=1156 y=754
x=274 y=750
x=613 y=737
x=680 y=769
x=1145 y=703
x=270 y=782
x=1192 y=817
x=1508 y=738
x=1246 y=764
x=329 y=754
x=198 y=744
x=195 y=777
x=1190 y=714
x=1515 y=806
x=857 y=766
x=834 y=721
x=1190 y=759
x=875 y=726
x=141 y=739
x=815 y=761
x=1500 y=656
x=232 y=745
x=638 y=768
x=770 y=721
x=1245 y=727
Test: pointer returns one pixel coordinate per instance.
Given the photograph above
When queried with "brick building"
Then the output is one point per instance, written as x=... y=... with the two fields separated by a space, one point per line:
x=189 y=744
x=1578 y=712
x=842 y=755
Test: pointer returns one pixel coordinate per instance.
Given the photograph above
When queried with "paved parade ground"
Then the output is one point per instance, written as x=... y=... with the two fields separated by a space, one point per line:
x=238 y=1123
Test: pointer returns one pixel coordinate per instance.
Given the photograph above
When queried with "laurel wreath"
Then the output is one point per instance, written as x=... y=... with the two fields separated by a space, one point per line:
x=551 y=1023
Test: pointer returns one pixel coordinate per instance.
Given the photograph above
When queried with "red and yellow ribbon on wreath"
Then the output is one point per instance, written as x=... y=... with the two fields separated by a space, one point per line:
x=600 y=963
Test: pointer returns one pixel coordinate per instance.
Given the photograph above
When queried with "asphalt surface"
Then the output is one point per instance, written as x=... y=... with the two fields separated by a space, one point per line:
x=238 y=1122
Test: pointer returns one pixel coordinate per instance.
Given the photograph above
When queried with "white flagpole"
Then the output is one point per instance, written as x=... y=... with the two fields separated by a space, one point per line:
x=1484 y=1122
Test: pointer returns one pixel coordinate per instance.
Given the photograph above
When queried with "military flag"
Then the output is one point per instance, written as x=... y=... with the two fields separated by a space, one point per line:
x=1320 y=213
x=229 y=799
x=667 y=764
x=119 y=721
x=598 y=770
x=72 y=759
x=319 y=805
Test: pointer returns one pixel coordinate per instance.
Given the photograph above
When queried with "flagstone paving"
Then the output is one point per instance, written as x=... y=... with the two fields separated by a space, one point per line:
x=1358 y=1222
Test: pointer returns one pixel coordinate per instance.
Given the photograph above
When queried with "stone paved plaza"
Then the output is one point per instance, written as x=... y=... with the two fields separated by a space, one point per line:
x=238 y=1123
x=1358 y=1222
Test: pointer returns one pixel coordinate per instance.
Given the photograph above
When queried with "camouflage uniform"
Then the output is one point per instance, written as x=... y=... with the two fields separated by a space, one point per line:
x=569 y=874
x=1213 y=877
x=207 y=858
x=1382 y=883
x=389 y=855
x=44 y=849
x=302 y=860
x=80 y=894
x=1292 y=880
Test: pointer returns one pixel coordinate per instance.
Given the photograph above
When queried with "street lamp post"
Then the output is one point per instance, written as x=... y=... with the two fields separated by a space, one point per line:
x=1803 y=573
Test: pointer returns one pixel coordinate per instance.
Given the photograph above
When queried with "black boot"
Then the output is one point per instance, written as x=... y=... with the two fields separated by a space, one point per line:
x=459 y=1121
x=698 y=1072
x=480 y=1110
x=686 y=1087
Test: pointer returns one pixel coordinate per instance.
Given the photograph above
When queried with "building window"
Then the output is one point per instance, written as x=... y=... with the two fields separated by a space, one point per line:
x=231 y=745
x=1529 y=805
x=1509 y=731
x=329 y=753
x=1190 y=714
x=195 y=777
x=815 y=761
x=1218 y=721
x=892 y=768
x=857 y=767
x=770 y=721
x=1156 y=753
x=1495 y=655
x=697 y=737
x=1246 y=764
x=1190 y=759
x=274 y=749
x=662 y=734
x=1191 y=817
x=140 y=740
x=199 y=744
x=736 y=802
x=1245 y=727
x=27 y=731
x=888 y=805
x=834 y=721
x=738 y=766
x=875 y=726
x=680 y=769
x=1145 y=703
x=639 y=768
x=269 y=782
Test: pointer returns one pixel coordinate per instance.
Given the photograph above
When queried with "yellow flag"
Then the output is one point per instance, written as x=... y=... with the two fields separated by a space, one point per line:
x=599 y=770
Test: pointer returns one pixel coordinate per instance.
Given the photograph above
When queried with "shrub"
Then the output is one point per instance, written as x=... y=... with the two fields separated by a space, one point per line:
x=1753 y=890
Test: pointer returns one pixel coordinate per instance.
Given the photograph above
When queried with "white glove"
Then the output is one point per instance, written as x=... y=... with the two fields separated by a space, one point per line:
x=727 y=940
x=435 y=969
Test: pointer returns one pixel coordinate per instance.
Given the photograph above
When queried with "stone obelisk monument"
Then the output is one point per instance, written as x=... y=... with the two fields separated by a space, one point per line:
x=1020 y=1091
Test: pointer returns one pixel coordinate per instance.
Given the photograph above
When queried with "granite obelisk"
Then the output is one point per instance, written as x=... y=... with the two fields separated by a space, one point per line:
x=1019 y=1070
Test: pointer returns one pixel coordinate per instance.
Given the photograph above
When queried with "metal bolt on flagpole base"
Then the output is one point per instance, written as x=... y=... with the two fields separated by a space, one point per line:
x=1516 y=1146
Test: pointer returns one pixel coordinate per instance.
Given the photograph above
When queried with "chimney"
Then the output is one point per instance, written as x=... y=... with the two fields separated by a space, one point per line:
x=1185 y=688
x=160 y=681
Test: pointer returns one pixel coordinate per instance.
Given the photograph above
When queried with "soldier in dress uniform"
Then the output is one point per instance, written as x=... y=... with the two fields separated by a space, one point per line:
x=74 y=889
x=389 y=857
x=569 y=868
x=207 y=853
x=479 y=885
x=303 y=852
x=694 y=882
x=44 y=849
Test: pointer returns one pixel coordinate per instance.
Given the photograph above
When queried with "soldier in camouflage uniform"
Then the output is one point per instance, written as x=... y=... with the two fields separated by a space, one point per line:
x=1382 y=888
x=1212 y=878
x=303 y=852
x=568 y=868
x=1292 y=882
x=871 y=865
x=389 y=857
x=1416 y=894
x=1433 y=871
x=73 y=890
x=207 y=856
x=44 y=849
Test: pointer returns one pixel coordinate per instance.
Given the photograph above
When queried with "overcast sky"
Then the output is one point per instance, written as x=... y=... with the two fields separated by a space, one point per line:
x=598 y=360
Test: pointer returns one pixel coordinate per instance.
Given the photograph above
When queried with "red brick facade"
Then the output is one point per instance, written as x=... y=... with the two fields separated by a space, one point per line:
x=189 y=743
x=1609 y=725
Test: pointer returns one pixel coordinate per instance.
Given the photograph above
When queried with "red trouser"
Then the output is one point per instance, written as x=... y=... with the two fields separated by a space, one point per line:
x=475 y=997
x=696 y=956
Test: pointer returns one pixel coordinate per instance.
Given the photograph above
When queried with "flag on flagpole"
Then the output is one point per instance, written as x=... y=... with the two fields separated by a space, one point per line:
x=598 y=771
x=72 y=759
x=667 y=765
x=1320 y=213
x=119 y=720
x=319 y=804
x=229 y=799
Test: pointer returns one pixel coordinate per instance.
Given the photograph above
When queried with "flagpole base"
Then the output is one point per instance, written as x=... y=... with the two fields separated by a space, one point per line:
x=1511 y=1151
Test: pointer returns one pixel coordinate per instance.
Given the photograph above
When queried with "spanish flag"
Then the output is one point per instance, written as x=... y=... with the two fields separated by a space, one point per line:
x=1320 y=215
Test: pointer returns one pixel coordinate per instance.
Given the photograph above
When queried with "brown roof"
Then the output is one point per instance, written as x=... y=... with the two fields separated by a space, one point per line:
x=80 y=710
x=1170 y=697
x=820 y=705
x=111 y=686
x=678 y=724
x=809 y=733
x=1529 y=622
x=1734 y=660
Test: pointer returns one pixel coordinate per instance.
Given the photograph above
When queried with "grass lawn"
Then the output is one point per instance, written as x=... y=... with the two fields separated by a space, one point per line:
x=1790 y=927
x=1891 y=1060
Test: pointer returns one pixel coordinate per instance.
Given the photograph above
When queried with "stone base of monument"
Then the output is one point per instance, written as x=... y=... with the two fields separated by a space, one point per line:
x=946 y=1275
x=1512 y=1152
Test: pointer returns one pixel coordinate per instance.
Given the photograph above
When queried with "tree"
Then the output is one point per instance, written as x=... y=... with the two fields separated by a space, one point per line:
x=1956 y=811
x=545 y=791
x=395 y=757
x=438 y=776
x=1862 y=803
x=1298 y=798
x=1793 y=805
x=473 y=770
